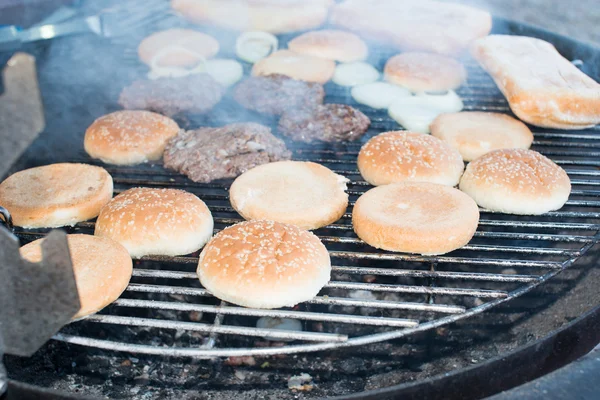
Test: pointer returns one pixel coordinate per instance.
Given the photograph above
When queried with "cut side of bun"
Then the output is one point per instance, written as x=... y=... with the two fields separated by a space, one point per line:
x=297 y=66
x=177 y=48
x=330 y=44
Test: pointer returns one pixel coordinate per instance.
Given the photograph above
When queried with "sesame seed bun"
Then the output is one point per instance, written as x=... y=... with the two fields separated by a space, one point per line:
x=102 y=269
x=177 y=48
x=148 y=221
x=56 y=195
x=422 y=72
x=330 y=44
x=474 y=133
x=264 y=264
x=400 y=156
x=516 y=181
x=129 y=137
x=297 y=66
x=304 y=194
x=415 y=217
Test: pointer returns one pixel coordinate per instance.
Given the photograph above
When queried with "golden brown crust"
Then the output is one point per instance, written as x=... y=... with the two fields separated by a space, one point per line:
x=297 y=66
x=156 y=221
x=101 y=266
x=56 y=195
x=415 y=217
x=474 y=133
x=422 y=72
x=398 y=156
x=129 y=137
x=330 y=44
x=264 y=264
x=177 y=48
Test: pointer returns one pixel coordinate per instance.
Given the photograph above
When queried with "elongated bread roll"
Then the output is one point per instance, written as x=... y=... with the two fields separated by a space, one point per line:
x=542 y=87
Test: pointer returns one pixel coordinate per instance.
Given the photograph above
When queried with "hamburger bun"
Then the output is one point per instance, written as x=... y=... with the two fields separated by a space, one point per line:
x=474 y=133
x=304 y=194
x=177 y=48
x=264 y=264
x=129 y=137
x=516 y=181
x=102 y=269
x=415 y=217
x=297 y=66
x=425 y=72
x=399 y=156
x=330 y=44
x=148 y=221
x=56 y=195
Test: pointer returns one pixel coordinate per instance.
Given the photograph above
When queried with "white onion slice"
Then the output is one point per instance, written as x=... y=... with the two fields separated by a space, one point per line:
x=355 y=73
x=447 y=102
x=254 y=46
x=378 y=94
x=225 y=71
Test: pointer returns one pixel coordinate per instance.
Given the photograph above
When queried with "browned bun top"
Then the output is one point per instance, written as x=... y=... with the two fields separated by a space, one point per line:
x=298 y=66
x=56 y=195
x=156 y=221
x=421 y=72
x=264 y=264
x=177 y=47
x=398 y=156
x=129 y=137
x=330 y=44
x=102 y=269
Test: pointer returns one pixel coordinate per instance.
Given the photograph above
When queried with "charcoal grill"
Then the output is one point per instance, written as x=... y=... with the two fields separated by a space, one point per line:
x=374 y=296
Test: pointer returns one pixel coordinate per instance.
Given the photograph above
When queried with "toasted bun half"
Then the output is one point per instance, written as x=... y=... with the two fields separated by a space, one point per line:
x=297 y=66
x=330 y=44
x=304 y=194
x=56 y=195
x=400 y=156
x=264 y=264
x=415 y=217
x=474 y=133
x=102 y=269
x=156 y=222
x=425 y=72
x=129 y=137
x=516 y=181
x=177 y=48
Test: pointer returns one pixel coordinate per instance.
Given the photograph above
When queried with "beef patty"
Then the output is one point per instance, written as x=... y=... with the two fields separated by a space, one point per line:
x=196 y=94
x=326 y=122
x=207 y=154
x=275 y=94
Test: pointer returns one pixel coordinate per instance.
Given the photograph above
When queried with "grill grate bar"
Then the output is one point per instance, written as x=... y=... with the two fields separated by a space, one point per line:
x=378 y=287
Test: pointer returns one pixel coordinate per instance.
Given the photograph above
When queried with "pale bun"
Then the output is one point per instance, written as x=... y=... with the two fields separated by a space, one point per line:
x=274 y=16
x=415 y=217
x=264 y=264
x=148 y=221
x=474 y=133
x=297 y=66
x=56 y=195
x=425 y=72
x=516 y=181
x=399 y=156
x=177 y=47
x=102 y=269
x=330 y=44
x=129 y=137
x=304 y=194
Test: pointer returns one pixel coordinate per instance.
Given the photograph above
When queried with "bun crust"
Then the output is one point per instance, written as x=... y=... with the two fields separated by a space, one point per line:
x=56 y=195
x=423 y=72
x=330 y=44
x=101 y=266
x=264 y=264
x=129 y=137
x=399 y=156
x=415 y=217
x=177 y=48
x=474 y=133
x=516 y=181
x=304 y=194
x=156 y=222
x=297 y=66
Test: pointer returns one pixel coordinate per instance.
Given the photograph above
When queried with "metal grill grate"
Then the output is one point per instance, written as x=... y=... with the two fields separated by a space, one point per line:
x=374 y=295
